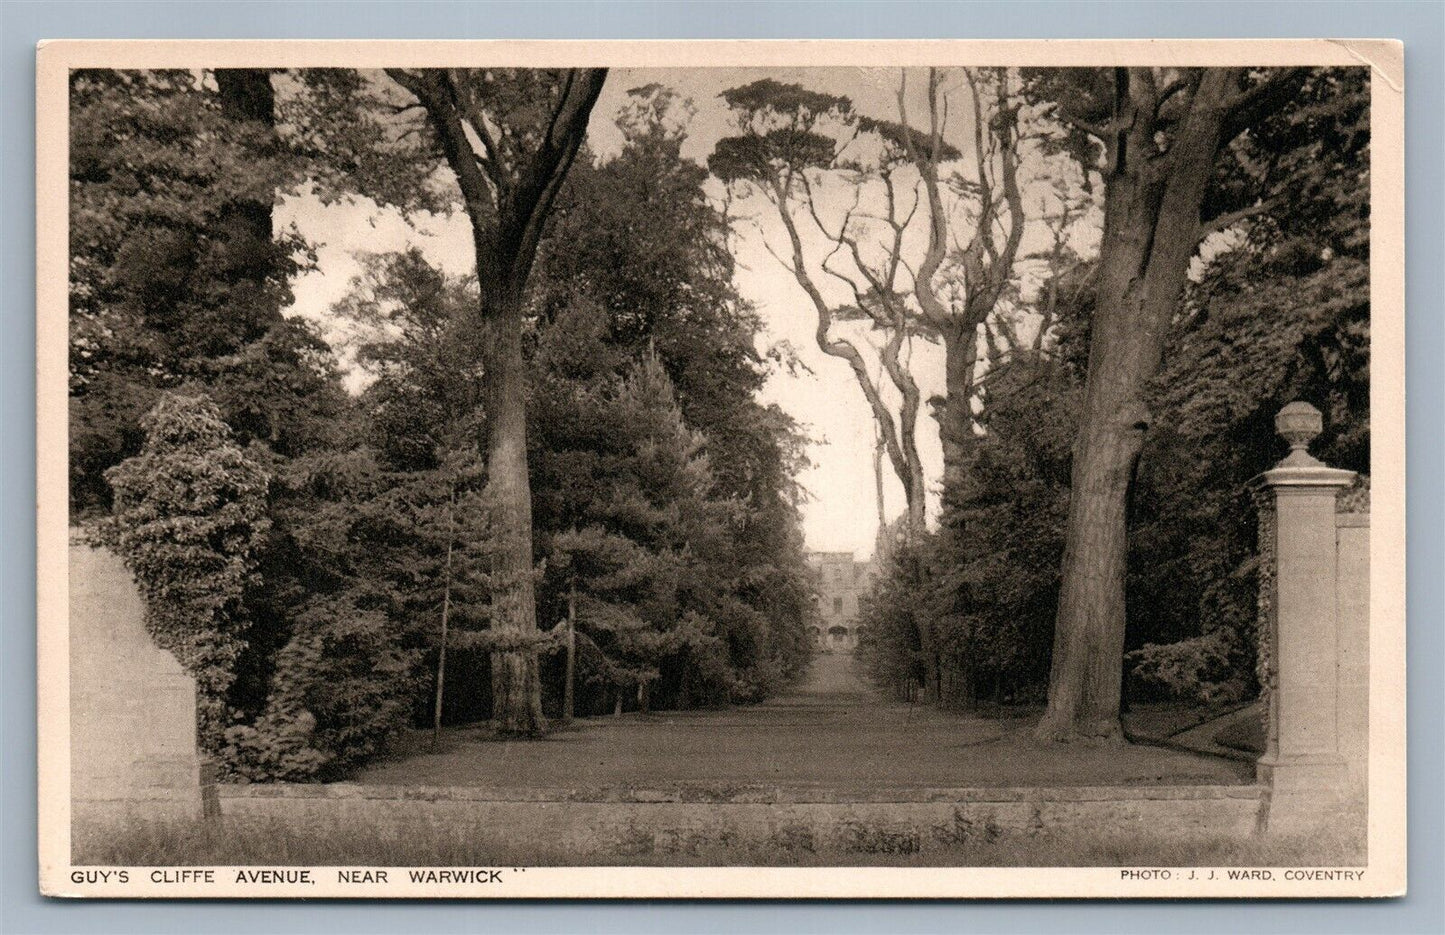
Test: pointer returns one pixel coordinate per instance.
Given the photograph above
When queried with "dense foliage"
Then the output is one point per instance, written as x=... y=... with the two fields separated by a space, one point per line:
x=189 y=514
x=1283 y=316
x=988 y=579
x=175 y=276
x=636 y=286
x=1279 y=312
x=313 y=555
x=351 y=536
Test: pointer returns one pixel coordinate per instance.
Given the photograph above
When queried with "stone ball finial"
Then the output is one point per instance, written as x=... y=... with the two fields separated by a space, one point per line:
x=1299 y=423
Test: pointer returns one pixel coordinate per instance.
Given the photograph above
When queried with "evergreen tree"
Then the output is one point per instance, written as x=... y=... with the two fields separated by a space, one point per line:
x=642 y=245
x=175 y=275
x=626 y=518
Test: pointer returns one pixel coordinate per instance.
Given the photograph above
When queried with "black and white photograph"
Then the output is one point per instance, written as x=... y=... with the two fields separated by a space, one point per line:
x=704 y=469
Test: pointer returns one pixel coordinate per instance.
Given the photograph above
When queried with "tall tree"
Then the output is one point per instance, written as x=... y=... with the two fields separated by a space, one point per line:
x=637 y=270
x=176 y=274
x=528 y=126
x=1280 y=312
x=633 y=528
x=1162 y=130
x=781 y=142
x=414 y=333
x=633 y=276
x=967 y=294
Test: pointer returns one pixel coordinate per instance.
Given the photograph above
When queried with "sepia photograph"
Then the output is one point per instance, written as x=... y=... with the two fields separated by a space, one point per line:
x=697 y=469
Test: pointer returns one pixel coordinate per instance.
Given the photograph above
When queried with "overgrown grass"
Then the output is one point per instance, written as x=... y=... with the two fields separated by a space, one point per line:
x=237 y=841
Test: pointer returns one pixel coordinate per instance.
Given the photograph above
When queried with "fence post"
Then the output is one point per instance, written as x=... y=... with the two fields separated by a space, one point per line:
x=1301 y=765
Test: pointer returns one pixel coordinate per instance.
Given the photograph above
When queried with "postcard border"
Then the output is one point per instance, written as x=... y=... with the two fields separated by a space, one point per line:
x=1387 y=767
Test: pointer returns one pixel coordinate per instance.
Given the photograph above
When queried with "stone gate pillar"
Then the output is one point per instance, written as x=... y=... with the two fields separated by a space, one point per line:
x=1301 y=764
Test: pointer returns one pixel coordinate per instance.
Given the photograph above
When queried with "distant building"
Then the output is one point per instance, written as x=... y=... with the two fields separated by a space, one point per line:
x=841 y=581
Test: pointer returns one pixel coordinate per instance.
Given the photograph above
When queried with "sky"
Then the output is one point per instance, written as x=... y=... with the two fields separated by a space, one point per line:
x=840 y=513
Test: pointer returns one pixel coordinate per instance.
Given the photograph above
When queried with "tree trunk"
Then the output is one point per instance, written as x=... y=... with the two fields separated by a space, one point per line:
x=955 y=414
x=1151 y=229
x=516 y=687
x=508 y=197
x=568 y=687
x=878 y=489
x=917 y=492
x=1089 y=630
x=914 y=488
x=436 y=731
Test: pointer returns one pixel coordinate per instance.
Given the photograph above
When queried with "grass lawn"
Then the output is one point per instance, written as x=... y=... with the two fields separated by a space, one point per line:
x=832 y=735
x=832 y=732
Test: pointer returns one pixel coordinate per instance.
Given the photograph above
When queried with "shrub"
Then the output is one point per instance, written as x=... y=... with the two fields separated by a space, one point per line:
x=340 y=691
x=1203 y=669
x=188 y=514
x=889 y=638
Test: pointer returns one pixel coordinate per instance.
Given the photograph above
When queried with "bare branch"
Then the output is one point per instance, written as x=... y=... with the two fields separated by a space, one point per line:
x=1230 y=218
x=777 y=256
x=934 y=310
x=492 y=164
x=811 y=204
x=1248 y=107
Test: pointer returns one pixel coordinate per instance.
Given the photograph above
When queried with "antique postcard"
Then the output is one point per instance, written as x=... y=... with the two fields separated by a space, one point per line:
x=721 y=469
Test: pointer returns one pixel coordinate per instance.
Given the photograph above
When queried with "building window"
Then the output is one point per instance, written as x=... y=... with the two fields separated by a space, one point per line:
x=837 y=605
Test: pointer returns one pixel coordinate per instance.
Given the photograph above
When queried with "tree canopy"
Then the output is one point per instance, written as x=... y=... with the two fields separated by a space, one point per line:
x=662 y=492
x=574 y=429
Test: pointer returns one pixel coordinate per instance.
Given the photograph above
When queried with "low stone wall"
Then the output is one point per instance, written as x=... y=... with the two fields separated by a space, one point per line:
x=684 y=820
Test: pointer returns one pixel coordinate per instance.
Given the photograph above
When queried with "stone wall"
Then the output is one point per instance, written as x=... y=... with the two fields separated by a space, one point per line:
x=1352 y=589
x=672 y=821
x=132 y=706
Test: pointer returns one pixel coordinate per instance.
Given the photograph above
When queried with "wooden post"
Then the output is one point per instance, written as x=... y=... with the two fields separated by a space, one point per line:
x=568 y=689
x=210 y=794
